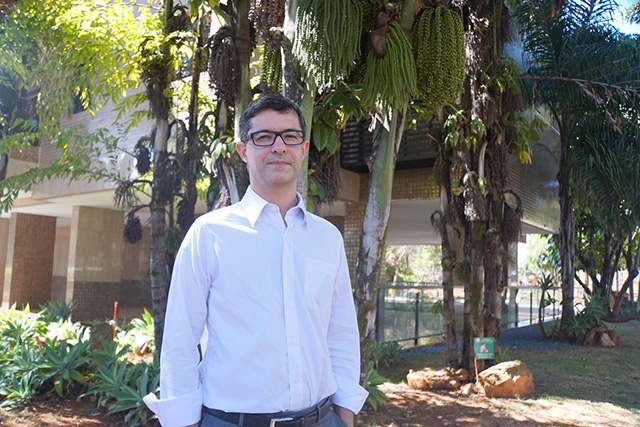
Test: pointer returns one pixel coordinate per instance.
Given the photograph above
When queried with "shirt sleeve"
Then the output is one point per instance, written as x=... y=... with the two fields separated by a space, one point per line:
x=344 y=342
x=180 y=401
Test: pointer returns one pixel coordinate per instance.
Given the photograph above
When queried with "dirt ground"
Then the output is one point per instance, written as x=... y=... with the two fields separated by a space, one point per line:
x=413 y=408
x=55 y=412
x=406 y=408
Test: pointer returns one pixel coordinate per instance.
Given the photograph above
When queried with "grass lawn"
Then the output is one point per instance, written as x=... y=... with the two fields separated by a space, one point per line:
x=576 y=386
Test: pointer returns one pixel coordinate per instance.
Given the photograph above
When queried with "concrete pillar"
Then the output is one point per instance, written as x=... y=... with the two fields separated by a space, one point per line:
x=4 y=243
x=95 y=262
x=60 y=264
x=135 y=291
x=29 y=258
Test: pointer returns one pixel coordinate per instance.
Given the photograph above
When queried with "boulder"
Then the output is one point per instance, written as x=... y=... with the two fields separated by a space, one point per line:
x=469 y=388
x=614 y=337
x=437 y=379
x=590 y=337
x=606 y=341
x=507 y=379
x=601 y=336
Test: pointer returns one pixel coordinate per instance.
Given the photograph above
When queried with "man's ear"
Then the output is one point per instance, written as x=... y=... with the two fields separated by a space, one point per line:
x=241 y=148
x=305 y=146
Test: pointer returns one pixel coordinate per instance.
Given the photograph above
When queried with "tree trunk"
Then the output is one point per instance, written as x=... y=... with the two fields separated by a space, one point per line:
x=448 y=282
x=374 y=228
x=243 y=55
x=567 y=242
x=158 y=246
x=159 y=105
x=194 y=147
x=476 y=284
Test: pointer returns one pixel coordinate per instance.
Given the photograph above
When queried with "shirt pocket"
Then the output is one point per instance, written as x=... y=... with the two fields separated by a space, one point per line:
x=318 y=283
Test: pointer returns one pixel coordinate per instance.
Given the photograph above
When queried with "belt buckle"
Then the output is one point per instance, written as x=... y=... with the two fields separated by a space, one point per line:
x=273 y=421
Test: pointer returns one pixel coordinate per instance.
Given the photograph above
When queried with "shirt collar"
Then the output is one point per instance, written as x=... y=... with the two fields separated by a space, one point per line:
x=253 y=206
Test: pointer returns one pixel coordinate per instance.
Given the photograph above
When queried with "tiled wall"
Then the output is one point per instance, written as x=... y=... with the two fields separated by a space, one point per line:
x=95 y=261
x=408 y=185
x=29 y=260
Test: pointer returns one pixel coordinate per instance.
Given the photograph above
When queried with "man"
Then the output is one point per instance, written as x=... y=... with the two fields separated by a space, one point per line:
x=268 y=282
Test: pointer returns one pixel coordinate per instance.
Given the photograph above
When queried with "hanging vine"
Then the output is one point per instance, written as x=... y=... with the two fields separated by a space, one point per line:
x=271 y=75
x=390 y=81
x=327 y=41
x=267 y=17
x=438 y=47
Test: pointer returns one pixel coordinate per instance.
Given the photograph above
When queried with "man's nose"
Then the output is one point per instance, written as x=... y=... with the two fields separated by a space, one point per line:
x=278 y=145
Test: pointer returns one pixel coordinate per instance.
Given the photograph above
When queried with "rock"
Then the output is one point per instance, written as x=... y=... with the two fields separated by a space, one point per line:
x=437 y=379
x=469 y=389
x=507 y=379
x=614 y=337
x=606 y=341
x=590 y=337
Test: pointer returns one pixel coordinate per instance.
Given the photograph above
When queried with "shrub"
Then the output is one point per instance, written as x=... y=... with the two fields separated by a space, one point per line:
x=121 y=386
x=139 y=336
x=593 y=312
x=372 y=381
x=65 y=364
x=385 y=352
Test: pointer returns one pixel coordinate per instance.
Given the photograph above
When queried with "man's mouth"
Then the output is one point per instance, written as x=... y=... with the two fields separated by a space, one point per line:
x=279 y=162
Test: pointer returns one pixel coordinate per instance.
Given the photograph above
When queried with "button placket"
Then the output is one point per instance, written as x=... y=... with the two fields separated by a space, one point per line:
x=291 y=317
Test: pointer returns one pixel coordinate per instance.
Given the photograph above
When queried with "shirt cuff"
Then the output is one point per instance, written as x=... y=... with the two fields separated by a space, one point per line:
x=176 y=411
x=352 y=399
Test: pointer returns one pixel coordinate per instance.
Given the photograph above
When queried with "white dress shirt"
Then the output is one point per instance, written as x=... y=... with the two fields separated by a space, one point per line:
x=275 y=300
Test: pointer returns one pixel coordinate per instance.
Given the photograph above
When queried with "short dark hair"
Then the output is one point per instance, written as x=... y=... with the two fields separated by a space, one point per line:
x=270 y=101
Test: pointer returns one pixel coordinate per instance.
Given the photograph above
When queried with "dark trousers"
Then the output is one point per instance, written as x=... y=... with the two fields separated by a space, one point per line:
x=331 y=419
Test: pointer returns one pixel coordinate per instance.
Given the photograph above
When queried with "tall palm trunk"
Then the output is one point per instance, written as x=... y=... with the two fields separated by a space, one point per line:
x=194 y=146
x=448 y=244
x=157 y=224
x=160 y=104
x=243 y=55
x=567 y=239
x=374 y=227
x=386 y=141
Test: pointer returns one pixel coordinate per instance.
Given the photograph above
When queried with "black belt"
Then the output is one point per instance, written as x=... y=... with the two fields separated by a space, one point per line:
x=305 y=419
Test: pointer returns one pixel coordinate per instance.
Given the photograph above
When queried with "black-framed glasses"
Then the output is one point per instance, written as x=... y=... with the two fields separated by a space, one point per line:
x=266 y=138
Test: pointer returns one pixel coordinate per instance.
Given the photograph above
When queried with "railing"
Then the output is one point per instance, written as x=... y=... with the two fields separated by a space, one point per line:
x=405 y=311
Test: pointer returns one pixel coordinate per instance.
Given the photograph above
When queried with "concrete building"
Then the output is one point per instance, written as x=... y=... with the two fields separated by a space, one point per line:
x=64 y=240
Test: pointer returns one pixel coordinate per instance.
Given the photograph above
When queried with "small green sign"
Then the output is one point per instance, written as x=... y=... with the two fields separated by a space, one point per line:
x=484 y=348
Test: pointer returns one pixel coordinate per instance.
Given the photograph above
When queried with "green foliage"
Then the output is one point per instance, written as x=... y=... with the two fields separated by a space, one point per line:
x=68 y=331
x=390 y=82
x=139 y=335
x=385 y=352
x=18 y=327
x=271 y=73
x=65 y=364
x=592 y=313
x=438 y=48
x=40 y=355
x=67 y=53
x=56 y=310
x=372 y=381
x=326 y=59
x=120 y=386
x=462 y=270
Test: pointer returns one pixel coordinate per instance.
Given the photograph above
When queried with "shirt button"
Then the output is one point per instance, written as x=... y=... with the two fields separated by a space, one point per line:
x=290 y=307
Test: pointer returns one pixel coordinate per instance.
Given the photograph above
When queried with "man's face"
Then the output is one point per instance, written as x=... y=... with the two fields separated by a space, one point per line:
x=276 y=167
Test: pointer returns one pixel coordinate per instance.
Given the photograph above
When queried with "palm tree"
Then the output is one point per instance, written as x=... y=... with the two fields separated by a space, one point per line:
x=574 y=65
x=607 y=167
